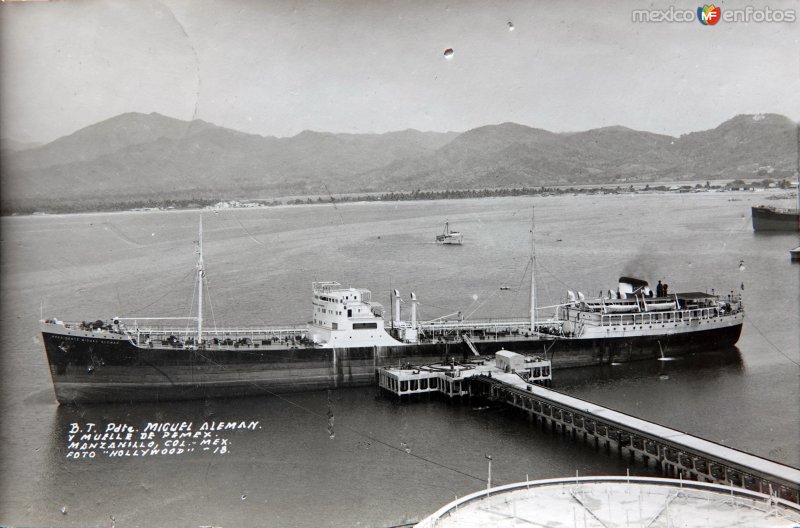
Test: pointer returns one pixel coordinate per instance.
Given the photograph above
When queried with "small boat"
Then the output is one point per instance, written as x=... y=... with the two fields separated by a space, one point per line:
x=621 y=308
x=795 y=254
x=658 y=306
x=504 y=288
x=449 y=237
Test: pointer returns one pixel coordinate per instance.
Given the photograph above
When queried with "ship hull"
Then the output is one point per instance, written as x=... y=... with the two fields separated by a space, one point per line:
x=99 y=369
x=769 y=219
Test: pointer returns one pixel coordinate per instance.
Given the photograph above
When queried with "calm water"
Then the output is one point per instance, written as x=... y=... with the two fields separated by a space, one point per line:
x=351 y=457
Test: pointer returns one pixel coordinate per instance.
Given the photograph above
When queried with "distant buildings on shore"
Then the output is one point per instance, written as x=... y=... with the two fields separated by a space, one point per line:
x=394 y=196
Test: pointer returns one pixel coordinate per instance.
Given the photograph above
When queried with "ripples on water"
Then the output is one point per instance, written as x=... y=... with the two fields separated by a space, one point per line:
x=352 y=456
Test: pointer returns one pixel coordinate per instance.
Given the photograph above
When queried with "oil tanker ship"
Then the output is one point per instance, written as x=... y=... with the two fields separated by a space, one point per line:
x=348 y=339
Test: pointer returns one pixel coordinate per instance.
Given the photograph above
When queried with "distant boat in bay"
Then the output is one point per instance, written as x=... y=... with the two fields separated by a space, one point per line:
x=448 y=236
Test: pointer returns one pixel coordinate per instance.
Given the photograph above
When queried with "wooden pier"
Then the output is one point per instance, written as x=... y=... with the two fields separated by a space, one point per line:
x=678 y=454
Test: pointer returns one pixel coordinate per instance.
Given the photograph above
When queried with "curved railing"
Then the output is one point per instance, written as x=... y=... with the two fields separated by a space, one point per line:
x=432 y=520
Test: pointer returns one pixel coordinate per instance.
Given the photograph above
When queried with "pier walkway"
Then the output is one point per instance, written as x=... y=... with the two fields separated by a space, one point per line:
x=517 y=380
x=677 y=453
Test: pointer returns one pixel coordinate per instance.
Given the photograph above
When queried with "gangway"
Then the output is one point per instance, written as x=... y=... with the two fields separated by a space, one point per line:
x=470 y=345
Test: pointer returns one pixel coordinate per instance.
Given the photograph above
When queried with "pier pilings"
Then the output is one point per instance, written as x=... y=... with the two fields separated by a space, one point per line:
x=677 y=454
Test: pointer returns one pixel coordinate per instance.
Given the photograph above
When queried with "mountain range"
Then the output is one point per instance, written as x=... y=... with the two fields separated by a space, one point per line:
x=136 y=158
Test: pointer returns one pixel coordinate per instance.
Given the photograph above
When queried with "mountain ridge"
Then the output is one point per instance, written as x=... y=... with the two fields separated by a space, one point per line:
x=136 y=156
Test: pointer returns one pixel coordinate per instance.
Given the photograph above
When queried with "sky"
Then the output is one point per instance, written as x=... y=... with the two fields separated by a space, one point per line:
x=276 y=68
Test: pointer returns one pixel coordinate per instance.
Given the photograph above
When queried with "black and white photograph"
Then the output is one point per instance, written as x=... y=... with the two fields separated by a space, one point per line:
x=383 y=264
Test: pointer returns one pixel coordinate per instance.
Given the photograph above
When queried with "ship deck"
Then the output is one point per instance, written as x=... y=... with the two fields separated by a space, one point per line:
x=448 y=331
x=296 y=335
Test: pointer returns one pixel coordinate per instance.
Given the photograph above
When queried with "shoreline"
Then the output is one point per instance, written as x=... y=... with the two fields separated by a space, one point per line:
x=777 y=194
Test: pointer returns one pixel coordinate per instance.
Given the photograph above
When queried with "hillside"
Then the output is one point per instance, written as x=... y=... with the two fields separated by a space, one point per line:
x=510 y=155
x=139 y=158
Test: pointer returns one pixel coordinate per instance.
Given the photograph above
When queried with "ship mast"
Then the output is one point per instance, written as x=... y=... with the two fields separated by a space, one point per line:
x=200 y=274
x=533 y=274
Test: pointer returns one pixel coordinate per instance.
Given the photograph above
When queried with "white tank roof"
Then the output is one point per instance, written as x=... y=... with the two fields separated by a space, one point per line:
x=596 y=502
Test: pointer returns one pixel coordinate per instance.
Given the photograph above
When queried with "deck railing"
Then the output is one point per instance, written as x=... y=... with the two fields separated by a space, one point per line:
x=671 y=316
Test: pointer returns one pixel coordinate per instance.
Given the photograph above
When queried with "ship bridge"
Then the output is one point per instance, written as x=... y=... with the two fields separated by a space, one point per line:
x=346 y=317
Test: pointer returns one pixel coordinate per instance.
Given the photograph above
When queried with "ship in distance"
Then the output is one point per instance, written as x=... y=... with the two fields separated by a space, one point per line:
x=768 y=218
x=348 y=338
x=448 y=236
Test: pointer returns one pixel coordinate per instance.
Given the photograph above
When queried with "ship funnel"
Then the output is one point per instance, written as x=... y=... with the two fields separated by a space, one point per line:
x=630 y=286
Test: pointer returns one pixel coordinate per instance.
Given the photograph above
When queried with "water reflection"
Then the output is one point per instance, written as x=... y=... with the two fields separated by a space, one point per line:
x=291 y=471
x=713 y=363
x=233 y=427
x=153 y=426
x=406 y=457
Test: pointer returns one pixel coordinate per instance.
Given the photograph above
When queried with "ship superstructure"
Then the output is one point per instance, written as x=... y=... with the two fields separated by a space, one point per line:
x=346 y=317
x=634 y=311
